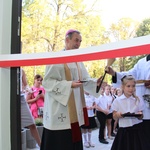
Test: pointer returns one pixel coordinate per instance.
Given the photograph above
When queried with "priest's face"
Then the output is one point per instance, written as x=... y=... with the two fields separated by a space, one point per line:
x=74 y=42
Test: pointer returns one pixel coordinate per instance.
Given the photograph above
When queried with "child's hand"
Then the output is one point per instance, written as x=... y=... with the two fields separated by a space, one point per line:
x=89 y=108
x=119 y=114
x=106 y=112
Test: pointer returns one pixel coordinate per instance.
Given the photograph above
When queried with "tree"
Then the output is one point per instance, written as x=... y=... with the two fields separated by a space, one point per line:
x=124 y=29
x=144 y=28
x=44 y=24
x=96 y=69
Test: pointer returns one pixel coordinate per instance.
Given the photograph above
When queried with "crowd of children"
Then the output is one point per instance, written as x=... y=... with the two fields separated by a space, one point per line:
x=118 y=110
x=101 y=108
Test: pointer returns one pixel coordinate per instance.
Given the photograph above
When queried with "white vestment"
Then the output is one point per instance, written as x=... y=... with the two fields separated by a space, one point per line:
x=141 y=71
x=58 y=90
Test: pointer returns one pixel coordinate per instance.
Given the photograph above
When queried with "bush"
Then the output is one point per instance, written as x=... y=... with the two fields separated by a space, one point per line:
x=39 y=121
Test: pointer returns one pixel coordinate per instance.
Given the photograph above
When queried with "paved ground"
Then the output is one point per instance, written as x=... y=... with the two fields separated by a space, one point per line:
x=98 y=145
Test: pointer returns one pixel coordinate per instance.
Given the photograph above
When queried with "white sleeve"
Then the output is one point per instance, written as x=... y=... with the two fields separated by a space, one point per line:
x=56 y=87
x=141 y=104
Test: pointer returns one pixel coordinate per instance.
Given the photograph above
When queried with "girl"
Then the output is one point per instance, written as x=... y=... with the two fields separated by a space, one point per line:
x=87 y=130
x=109 y=98
x=129 y=135
x=36 y=98
x=113 y=122
x=115 y=127
x=113 y=92
x=118 y=92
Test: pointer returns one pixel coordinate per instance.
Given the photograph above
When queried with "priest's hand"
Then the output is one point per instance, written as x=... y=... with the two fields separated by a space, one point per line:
x=110 y=71
x=76 y=84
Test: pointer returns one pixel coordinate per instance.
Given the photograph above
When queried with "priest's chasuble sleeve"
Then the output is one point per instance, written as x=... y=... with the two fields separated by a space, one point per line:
x=58 y=91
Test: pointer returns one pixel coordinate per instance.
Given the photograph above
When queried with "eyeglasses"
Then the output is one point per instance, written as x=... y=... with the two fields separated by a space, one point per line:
x=126 y=76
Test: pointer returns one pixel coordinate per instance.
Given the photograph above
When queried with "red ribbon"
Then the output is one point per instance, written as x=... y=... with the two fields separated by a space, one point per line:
x=122 y=52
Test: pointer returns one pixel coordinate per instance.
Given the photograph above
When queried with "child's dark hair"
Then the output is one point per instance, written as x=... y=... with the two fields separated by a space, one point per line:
x=37 y=76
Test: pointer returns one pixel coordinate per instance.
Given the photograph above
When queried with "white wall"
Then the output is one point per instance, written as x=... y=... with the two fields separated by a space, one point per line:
x=5 y=42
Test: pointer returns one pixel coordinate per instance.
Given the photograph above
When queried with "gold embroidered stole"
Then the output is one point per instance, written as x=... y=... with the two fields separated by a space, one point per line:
x=76 y=132
x=86 y=119
x=71 y=102
x=81 y=88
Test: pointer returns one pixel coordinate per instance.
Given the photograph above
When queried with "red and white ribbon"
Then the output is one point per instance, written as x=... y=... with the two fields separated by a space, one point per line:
x=131 y=47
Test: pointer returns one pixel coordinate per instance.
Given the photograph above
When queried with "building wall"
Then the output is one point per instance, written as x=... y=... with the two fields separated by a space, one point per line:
x=5 y=46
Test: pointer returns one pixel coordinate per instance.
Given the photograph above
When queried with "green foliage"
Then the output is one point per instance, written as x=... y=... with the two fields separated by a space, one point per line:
x=129 y=63
x=144 y=28
x=124 y=29
x=44 y=24
x=96 y=69
x=32 y=71
x=132 y=61
x=39 y=121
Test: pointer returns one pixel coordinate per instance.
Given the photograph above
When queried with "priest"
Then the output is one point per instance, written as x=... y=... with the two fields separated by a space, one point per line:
x=64 y=108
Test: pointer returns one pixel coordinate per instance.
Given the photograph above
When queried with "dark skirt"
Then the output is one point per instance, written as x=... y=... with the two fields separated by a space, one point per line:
x=109 y=116
x=59 y=139
x=92 y=124
x=146 y=130
x=130 y=138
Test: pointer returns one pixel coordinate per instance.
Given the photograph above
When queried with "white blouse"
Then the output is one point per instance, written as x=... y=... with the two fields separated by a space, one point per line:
x=89 y=100
x=123 y=104
x=102 y=102
x=109 y=99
